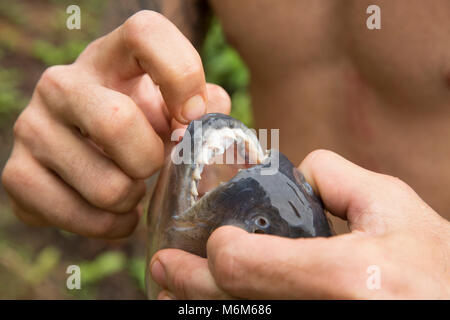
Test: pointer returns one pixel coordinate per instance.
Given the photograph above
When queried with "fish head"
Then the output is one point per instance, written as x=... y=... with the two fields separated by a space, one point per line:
x=201 y=194
x=244 y=203
x=281 y=203
x=196 y=194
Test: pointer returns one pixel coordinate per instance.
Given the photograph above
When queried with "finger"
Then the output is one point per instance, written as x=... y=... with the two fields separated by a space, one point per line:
x=111 y=119
x=79 y=164
x=146 y=94
x=370 y=201
x=149 y=43
x=149 y=99
x=35 y=220
x=218 y=102
x=184 y=275
x=218 y=99
x=58 y=203
x=165 y=295
x=269 y=267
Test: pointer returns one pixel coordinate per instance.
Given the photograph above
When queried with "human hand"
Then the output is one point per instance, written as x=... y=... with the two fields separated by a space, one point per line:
x=393 y=232
x=95 y=129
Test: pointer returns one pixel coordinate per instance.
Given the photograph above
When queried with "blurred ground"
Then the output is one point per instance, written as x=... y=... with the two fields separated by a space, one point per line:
x=33 y=261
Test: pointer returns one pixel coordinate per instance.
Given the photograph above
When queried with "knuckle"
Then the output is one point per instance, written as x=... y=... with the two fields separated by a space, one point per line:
x=154 y=156
x=113 y=192
x=10 y=174
x=105 y=226
x=28 y=218
x=50 y=79
x=139 y=22
x=318 y=155
x=135 y=32
x=113 y=226
x=394 y=183
x=22 y=125
x=17 y=175
x=13 y=178
x=126 y=228
x=26 y=125
x=32 y=129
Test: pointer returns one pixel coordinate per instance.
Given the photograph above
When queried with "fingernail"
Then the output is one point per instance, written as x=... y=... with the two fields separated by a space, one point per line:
x=158 y=273
x=194 y=108
x=166 y=295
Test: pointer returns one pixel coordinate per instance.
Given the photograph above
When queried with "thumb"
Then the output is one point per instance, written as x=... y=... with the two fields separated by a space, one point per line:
x=184 y=275
x=257 y=266
x=371 y=202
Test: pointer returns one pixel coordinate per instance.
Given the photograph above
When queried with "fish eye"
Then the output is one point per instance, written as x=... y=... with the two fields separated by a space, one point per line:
x=261 y=222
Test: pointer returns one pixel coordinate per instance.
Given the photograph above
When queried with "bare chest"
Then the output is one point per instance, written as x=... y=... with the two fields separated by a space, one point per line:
x=407 y=61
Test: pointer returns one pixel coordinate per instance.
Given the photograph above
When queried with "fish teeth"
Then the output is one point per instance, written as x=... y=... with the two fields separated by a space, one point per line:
x=196 y=175
x=217 y=143
x=194 y=190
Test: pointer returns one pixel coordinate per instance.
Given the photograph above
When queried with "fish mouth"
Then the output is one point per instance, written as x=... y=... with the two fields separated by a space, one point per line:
x=220 y=147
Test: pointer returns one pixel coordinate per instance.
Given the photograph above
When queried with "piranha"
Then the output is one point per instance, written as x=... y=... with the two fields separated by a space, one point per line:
x=219 y=174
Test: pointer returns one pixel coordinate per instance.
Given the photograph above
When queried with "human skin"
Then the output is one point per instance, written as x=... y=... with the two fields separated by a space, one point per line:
x=392 y=228
x=94 y=130
x=378 y=97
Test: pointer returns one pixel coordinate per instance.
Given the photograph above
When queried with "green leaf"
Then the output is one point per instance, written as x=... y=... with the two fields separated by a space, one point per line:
x=52 y=54
x=136 y=269
x=102 y=266
x=241 y=109
x=46 y=261
x=11 y=98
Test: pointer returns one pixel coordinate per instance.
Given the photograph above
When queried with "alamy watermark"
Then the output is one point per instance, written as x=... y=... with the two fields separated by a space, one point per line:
x=210 y=145
x=374 y=20
x=74 y=19
x=74 y=280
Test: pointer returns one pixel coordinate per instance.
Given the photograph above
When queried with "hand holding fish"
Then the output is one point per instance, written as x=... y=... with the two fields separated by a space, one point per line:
x=95 y=129
x=392 y=232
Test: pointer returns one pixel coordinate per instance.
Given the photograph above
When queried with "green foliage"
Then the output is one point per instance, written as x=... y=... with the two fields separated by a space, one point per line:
x=136 y=269
x=18 y=260
x=222 y=63
x=9 y=38
x=46 y=261
x=11 y=98
x=242 y=107
x=51 y=54
x=53 y=44
x=102 y=266
x=109 y=263
x=223 y=66
x=12 y=11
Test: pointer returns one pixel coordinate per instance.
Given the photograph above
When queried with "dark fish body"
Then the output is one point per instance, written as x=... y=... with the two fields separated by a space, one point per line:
x=281 y=203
